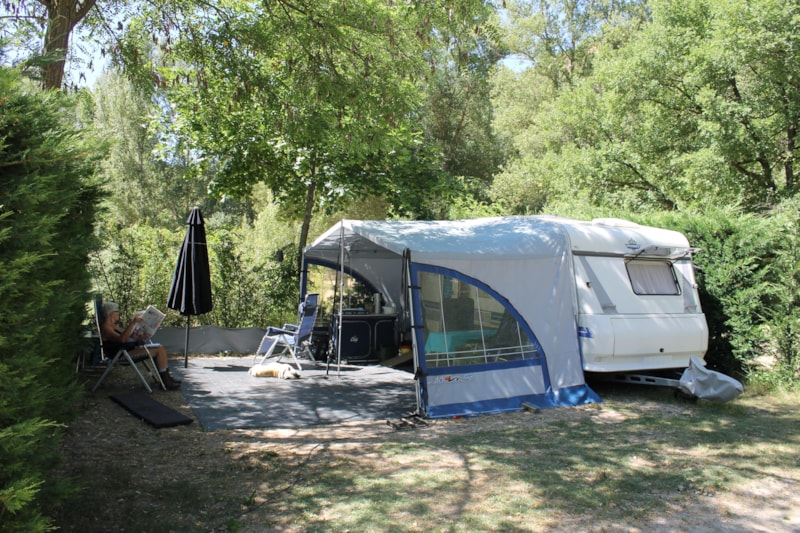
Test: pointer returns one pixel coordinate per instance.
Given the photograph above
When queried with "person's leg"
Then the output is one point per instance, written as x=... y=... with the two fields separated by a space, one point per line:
x=159 y=355
x=157 y=352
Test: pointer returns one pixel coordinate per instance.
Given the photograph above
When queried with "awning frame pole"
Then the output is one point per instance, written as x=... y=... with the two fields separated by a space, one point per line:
x=341 y=301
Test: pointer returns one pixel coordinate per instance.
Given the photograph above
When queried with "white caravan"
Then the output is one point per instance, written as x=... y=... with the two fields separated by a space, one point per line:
x=637 y=303
x=508 y=311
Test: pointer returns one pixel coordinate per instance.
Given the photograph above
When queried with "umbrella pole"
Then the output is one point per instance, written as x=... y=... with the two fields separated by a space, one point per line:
x=186 y=344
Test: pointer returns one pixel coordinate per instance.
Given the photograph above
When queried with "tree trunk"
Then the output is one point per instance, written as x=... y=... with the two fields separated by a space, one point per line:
x=62 y=16
x=309 y=210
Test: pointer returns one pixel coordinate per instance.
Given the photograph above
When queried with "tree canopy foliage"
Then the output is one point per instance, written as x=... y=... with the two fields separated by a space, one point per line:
x=697 y=103
x=314 y=99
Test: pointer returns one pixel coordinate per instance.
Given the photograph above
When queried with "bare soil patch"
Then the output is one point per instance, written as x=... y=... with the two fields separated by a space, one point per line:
x=137 y=478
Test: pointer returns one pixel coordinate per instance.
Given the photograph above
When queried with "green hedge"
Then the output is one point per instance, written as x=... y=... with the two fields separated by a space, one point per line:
x=248 y=290
x=46 y=218
x=748 y=282
x=747 y=273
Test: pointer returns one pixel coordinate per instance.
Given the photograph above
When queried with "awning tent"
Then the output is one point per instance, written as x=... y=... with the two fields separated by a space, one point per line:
x=522 y=264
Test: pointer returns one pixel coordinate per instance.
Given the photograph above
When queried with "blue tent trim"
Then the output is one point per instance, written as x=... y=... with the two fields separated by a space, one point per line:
x=568 y=397
x=499 y=405
x=577 y=395
x=486 y=367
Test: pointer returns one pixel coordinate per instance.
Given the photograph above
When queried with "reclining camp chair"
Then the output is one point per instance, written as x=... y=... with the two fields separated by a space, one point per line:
x=291 y=339
x=122 y=354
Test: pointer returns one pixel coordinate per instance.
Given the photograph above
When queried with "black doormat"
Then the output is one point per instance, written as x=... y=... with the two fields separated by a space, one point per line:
x=154 y=413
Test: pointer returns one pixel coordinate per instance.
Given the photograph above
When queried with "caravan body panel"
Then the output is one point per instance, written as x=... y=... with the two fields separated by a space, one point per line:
x=636 y=343
x=637 y=302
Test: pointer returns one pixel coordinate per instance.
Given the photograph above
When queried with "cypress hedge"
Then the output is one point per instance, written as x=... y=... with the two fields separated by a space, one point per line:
x=47 y=214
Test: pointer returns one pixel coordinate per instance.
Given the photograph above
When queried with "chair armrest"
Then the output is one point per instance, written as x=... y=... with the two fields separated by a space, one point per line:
x=272 y=330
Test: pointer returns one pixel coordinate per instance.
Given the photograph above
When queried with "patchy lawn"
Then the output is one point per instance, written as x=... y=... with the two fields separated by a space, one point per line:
x=641 y=461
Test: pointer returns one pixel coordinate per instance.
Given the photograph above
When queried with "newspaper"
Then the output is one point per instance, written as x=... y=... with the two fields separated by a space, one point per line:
x=151 y=320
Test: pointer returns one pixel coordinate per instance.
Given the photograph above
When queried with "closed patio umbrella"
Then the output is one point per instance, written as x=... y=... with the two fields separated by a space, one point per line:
x=190 y=292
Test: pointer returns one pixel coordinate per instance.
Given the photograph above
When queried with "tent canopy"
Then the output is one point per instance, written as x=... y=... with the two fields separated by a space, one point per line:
x=524 y=262
x=485 y=238
x=373 y=249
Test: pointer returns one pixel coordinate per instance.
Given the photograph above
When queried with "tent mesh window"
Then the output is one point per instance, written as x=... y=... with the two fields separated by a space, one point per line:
x=464 y=325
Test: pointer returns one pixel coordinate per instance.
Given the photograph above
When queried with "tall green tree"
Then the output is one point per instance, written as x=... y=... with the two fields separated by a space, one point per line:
x=456 y=112
x=555 y=45
x=55 y=37
x=704 y=105
x=314 y=99
x=700 y=106
x=142 y=189
x=54 y=21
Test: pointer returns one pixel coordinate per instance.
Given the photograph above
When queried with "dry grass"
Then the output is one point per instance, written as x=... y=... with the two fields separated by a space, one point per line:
x=641 y=461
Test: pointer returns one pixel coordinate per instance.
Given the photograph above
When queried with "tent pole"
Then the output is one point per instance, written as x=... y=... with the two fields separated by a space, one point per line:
x=341 y=301
x=413 y=324
x=333 y=334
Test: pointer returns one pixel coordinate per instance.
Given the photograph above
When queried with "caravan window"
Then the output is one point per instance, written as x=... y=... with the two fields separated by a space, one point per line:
x=464 y=325
x=652 y=276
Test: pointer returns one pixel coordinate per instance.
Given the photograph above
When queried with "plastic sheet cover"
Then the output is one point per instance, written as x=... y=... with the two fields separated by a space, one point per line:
x=707 y=384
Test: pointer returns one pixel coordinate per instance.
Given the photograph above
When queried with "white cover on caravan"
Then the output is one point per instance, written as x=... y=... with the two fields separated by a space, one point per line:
x=705 y=384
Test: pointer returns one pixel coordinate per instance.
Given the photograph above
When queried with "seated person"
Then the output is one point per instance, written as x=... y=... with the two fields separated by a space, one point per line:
x=115 y=338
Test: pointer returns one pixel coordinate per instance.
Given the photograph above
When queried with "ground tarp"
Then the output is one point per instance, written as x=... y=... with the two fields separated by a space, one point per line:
x=222 y=395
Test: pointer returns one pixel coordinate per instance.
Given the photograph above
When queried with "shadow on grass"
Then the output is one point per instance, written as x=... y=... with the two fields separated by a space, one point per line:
x=639 y=455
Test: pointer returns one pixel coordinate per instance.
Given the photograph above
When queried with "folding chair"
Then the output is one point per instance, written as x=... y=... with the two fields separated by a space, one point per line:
x=122 y=354
x=292 y=339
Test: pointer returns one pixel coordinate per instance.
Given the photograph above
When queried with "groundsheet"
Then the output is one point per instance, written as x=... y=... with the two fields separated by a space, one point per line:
x=223 y=395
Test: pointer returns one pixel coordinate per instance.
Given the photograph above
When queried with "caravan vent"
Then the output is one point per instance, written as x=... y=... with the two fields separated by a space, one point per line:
x=615 y=222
